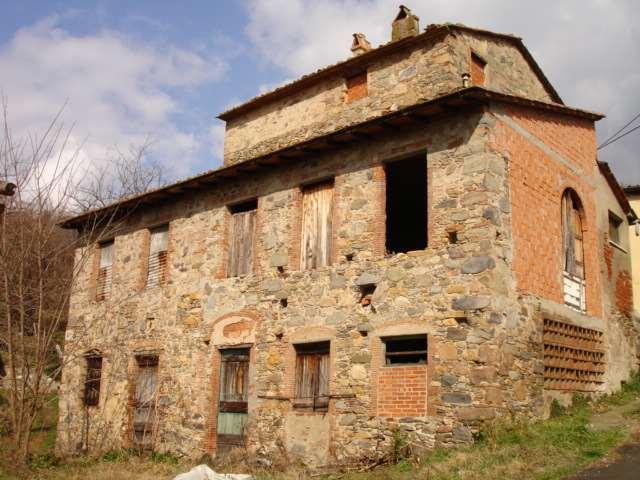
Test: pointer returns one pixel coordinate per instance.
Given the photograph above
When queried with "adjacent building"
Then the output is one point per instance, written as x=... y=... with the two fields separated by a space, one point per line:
x=417 y=238
x=633 y=193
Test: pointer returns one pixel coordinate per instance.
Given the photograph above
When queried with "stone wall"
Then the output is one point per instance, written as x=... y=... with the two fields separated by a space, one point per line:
x=465 y=292
x=425 y=70
x=458 y=294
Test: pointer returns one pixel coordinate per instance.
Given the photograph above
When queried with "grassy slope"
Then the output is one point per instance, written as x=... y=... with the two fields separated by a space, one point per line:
x=544 y=450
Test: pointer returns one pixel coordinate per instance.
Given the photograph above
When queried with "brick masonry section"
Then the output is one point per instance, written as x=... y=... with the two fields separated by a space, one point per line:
x=402 y=391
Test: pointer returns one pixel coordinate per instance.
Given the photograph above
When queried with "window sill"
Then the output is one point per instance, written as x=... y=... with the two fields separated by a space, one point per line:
x=618 y=246
x=400 y=365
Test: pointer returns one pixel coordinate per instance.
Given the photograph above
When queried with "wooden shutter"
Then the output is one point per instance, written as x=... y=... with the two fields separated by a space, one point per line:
x=144 y=414
x=92 y=381
x=157 y=266
x=104 y=272
x=573 y=250
x=317 y=204
x=312 y=377
x=241 y=242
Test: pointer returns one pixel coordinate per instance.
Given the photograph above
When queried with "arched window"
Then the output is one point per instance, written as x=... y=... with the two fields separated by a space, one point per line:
x=573 y=251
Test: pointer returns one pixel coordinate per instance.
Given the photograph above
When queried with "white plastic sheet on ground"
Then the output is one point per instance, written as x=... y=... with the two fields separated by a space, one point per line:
x=203 y=472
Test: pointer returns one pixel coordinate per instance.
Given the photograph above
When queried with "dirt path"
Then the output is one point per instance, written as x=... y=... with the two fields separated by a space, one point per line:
x=624 y=464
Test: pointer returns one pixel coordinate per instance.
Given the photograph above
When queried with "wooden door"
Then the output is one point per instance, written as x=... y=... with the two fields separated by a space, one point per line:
x=232 y=405
x=317 y=205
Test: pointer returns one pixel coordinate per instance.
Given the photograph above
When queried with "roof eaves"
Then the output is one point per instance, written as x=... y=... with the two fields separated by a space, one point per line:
x=347 y=65
x=477 y=94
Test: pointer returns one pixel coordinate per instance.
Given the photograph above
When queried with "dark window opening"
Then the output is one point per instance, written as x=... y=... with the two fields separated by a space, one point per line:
x=453 y=237
x=312 y=376
x=614 y=227
x=406 y=205
x=366 y=294
x=405 y=350
x=92 y=380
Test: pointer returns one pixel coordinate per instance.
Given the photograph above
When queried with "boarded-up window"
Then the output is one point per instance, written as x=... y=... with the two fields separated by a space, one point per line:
x=317 y=205
x=144 y=401
x=409 y=349
x=243 y=224
x=157 y=263
x=477 y=69
x=573 y=252
x=312 y=376
x=614 y=227
x=356 y=86
x=92 y=380
x=105 y=270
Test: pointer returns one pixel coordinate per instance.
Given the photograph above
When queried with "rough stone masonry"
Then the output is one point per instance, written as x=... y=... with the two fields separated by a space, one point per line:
x=417 y=239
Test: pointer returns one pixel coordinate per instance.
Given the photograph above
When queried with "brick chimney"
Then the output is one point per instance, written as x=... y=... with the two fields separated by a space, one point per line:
x=360 y=44
x=406 y=24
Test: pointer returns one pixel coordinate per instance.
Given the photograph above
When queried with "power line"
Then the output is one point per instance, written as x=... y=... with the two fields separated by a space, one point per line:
x=625 y=126
x=619 y=137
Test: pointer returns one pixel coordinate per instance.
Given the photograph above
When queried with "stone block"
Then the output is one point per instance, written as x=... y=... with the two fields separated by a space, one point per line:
x=477 y=264
x=469 y=302
x=470 y=414
x=456 y=398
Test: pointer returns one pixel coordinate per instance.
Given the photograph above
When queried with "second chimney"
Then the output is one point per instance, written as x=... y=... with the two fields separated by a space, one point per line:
x=406 y=24
x=360 y=44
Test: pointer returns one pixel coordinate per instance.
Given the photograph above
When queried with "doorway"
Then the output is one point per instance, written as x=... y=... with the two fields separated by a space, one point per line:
x=232 y=404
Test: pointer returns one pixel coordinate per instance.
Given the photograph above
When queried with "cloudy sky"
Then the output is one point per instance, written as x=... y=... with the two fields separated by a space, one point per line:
x=131 y=69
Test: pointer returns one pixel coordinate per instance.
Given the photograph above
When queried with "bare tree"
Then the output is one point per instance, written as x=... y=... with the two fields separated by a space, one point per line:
x=39 y=262
x=128 y=173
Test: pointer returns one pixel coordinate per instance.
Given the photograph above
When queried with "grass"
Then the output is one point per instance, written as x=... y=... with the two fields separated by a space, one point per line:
x=510 y=449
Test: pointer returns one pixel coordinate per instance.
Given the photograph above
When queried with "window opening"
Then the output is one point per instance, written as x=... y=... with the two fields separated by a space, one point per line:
x=105 y=270
x=406 y=205
x=405 y=350
x=477 y=69
x=144 y=401
x=614 y=227
x=317 y=206
x=157 y=262
x=573 y=254
x=92 y=380
x=312 y=376
x=243 y=224
x=356 y=86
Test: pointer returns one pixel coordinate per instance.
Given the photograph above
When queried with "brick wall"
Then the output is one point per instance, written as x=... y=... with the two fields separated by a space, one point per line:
x=547 y=154
x=402 y=391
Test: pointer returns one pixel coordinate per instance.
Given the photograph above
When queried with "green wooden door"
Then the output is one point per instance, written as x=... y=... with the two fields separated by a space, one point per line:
x=232 y=406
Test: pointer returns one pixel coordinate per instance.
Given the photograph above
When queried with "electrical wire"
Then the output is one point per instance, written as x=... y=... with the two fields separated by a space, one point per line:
x=614 y=140
x=625 y=126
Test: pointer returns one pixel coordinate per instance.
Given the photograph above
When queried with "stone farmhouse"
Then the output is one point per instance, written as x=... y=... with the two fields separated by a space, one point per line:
x=416 y=239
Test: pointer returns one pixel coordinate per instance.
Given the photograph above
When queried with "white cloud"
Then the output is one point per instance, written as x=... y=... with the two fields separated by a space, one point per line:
x=117 y=90
x=587 y=48
x=216 y=134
